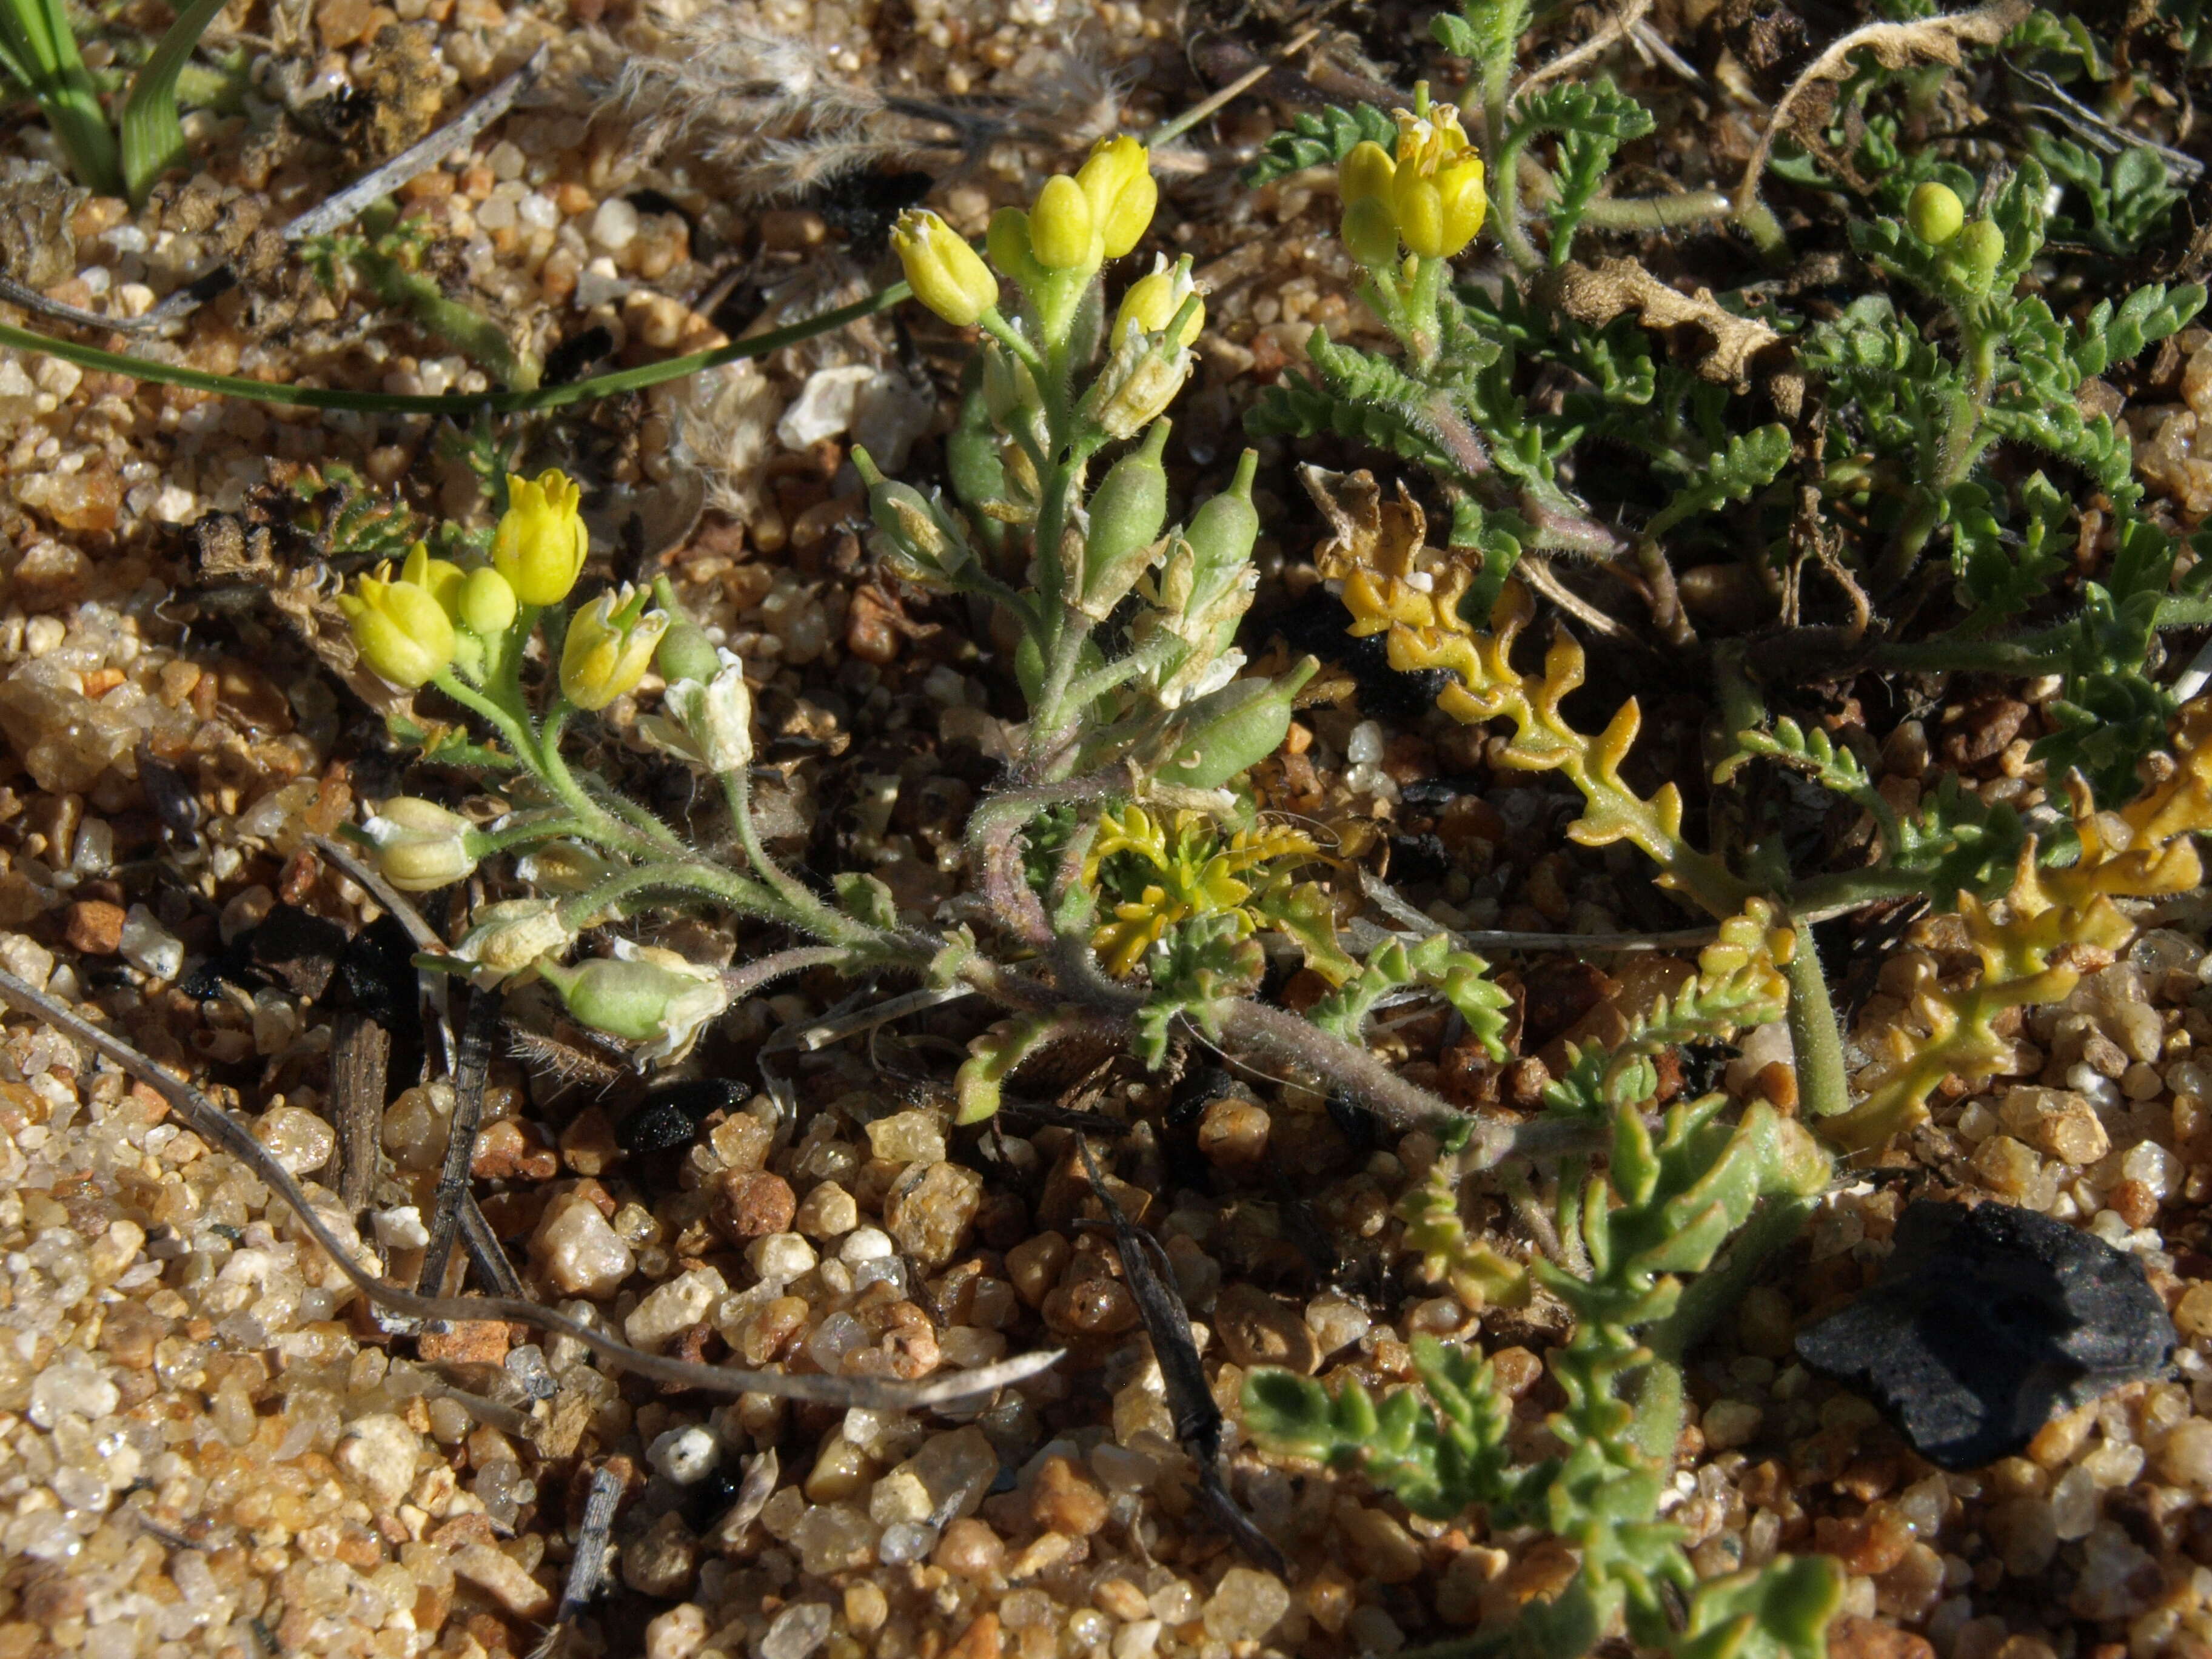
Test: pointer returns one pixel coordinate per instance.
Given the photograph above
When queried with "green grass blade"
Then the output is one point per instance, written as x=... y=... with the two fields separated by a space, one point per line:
x=153 y=139
x=38 y=49
x=460 y=406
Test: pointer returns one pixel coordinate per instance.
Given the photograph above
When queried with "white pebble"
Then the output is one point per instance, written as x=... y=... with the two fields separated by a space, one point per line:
x=614 y=227
x=401 y=1228
x=150 y=947
x=865 y=1244
x=686 y=1456
x=781 y=1257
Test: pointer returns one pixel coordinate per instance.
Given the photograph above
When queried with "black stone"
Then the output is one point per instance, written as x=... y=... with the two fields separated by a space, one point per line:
x=1988 y=1321
x=298 y=950
x=671 y=1116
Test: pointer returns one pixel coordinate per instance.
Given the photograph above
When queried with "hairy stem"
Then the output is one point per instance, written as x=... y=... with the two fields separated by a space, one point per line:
x=1823 y=1087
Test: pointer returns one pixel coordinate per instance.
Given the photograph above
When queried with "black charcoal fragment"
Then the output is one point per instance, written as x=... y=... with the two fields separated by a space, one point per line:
x=1987 y=1323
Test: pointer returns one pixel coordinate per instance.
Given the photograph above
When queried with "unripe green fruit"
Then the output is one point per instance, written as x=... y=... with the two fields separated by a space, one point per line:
x=1980 y=251
x=1237 y=728
x=1127 y=514
x=686 y=654
x=1936 y=213
x=1222 y=530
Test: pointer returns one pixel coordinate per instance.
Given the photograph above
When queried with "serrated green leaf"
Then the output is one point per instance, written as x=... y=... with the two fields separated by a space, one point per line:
x=1321 y=138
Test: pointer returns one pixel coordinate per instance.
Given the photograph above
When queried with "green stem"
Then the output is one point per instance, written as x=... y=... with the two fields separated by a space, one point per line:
x=464 y=406
x=821 y=920
x=1823 y=1087
x=2026 y=656
x=528 y=829
x=1692 y=207
x=689 y=876
x=1719 y=1290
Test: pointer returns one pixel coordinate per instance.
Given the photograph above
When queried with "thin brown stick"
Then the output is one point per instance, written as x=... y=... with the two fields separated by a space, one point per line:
x=469 y=1071
x=1895 y=45
x=361 y=1060
x=219 y=1128
x=1566 y=62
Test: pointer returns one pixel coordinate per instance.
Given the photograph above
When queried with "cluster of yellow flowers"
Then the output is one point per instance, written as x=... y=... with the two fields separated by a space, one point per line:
x=436 y=616
x=1429 y=196
x=1077 y=224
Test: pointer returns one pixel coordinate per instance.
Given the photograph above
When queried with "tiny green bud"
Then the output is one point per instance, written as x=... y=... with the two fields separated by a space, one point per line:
x=1236 y=728
x=1127 y=514
x=1980 y=251
x=1935 y=213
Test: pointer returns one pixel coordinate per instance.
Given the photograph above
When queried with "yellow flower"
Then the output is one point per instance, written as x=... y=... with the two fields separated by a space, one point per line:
x=946 y=274
x=1435 y=186
x=1063 y=231
x=420 y=846
x=540 y=544
x=1201 y=873
x=1118 y=180
x=609 y=647
x=403 y=633
x=1152 y=303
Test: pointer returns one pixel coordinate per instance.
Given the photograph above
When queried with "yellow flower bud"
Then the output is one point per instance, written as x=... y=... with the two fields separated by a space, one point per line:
x=1365 y=174
x=609 y=647
x=946 y=274
x=1063 y=231
x=1369 y=232
x=403 y=632
x=488 y=603
x=541 y=541
x=1436 y=187
x=1118 y=180
x=440 y=578
x=420 y=846
x=1151 y=304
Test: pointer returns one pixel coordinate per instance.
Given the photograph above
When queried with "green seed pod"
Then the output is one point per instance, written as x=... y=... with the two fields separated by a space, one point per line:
x=629 y=999
x=686 y=653
x=1127 y=514
x=1935 y=213
x=971 y=453
x=1236 y=728
x=918 y=540
x=1222 y=533
x=1980 y=251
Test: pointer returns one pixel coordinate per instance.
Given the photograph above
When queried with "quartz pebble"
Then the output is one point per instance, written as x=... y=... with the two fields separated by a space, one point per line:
x=929 y=1211
x=579 y=1252
x=1245 y=1606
